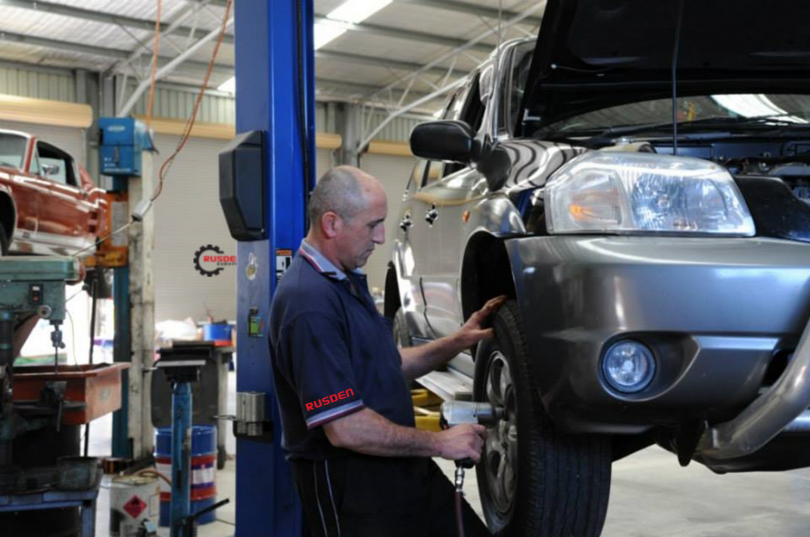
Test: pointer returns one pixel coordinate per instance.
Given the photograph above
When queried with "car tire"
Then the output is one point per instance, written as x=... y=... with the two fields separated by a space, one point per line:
x=4 y=241
x=563 y=482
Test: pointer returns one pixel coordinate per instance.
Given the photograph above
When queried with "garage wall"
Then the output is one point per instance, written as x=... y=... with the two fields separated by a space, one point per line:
x=178 y=102
x=188 y=216
x=393 y=173
x=323 y=163
x=398 y=130
x=38 y=82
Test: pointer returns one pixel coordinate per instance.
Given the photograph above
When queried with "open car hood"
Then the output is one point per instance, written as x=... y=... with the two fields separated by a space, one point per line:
x=593 y=54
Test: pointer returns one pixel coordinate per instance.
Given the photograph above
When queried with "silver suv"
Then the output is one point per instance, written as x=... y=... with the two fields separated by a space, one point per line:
x=654 y=248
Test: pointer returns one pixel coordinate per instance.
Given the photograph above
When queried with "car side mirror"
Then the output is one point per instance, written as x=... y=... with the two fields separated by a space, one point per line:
x=50 y=169
x=445 y=140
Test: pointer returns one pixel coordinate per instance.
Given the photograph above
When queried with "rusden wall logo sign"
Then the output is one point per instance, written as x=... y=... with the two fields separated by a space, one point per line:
x=211 y=260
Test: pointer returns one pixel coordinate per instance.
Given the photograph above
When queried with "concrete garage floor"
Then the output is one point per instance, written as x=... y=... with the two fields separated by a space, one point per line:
x=651 y=496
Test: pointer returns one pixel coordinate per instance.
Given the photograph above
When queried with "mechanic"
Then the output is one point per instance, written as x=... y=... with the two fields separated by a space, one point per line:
x=360 y=465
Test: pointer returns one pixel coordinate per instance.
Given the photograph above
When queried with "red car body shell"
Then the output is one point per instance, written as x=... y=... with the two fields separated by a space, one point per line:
x=43 y=216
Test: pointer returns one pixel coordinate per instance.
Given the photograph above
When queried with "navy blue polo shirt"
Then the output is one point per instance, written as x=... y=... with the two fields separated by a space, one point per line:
x=333 y=354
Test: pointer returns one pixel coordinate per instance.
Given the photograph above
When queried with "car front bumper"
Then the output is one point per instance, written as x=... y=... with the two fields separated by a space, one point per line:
x=715 y=312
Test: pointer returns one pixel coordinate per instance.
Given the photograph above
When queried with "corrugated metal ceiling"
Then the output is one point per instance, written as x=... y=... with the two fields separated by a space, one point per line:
x=18 y=17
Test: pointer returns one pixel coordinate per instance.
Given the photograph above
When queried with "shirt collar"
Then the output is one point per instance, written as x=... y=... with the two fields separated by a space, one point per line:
x=319 y=262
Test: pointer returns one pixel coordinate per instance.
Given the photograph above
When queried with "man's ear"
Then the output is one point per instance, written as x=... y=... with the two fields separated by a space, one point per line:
x=331 y=224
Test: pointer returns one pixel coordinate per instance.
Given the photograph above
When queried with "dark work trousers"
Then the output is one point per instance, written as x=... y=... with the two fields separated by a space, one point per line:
x=364 y=496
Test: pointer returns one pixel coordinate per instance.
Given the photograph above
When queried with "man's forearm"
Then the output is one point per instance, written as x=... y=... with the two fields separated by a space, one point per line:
x=368 y=432
x=418 y=361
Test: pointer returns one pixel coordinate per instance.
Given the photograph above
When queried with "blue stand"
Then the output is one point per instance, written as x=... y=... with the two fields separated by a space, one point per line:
x=275 y=94
x=122 y=347
x=181 y=457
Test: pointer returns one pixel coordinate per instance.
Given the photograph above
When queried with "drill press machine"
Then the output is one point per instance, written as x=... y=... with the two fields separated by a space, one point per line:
x=42 y=407
x=31 y=288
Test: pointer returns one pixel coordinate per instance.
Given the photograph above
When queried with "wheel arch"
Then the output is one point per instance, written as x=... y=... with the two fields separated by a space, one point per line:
x=486 y=272
x=393 y=300
x=8 y=214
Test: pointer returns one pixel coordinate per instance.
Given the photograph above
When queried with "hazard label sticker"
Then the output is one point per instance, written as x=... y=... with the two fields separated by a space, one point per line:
x=283 y=261
x=135 y=506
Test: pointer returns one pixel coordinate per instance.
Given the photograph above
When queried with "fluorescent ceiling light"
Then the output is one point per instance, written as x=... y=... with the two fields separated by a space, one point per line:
x=324 y=33
x=356 y=11
x=438 y=113
x=754 y=106
x=228 y=86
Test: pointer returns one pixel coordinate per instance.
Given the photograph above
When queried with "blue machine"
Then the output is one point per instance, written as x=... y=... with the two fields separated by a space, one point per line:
x=275 y=104
x=123 y=141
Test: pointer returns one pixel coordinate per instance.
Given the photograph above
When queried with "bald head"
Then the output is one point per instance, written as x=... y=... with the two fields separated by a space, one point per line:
x=347 y=213
x=343 y=190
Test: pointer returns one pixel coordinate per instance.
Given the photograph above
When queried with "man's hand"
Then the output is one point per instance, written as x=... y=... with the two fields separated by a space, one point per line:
x=461 y=442
x=420 y=360
x=473 y=331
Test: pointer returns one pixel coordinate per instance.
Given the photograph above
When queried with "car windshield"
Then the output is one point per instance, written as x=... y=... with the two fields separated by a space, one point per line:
x=12 y=150
x=703 y=110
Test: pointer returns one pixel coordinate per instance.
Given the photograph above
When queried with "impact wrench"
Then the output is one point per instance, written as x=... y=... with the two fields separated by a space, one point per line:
x=455 y=413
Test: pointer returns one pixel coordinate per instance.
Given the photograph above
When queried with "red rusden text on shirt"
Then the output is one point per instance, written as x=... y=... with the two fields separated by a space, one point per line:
x=323 y=401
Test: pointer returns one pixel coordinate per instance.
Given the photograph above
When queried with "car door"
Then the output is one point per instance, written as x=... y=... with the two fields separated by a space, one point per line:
x=413 y=251
x=447 y=195
x=451 y=200
x=422 y=233
x=406 y=246
x=65 y=214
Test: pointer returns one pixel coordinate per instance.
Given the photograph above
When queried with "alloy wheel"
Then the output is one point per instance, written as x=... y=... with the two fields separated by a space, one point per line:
x=500 y=451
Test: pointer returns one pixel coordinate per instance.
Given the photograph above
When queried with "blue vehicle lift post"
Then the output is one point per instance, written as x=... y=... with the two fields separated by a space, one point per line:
x=274 y=96
x=181 y=456
x=122 y=347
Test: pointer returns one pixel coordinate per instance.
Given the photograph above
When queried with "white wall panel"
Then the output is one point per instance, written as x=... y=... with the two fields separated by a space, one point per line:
x=188 y=216
x=175 y=102
x=323 y=163
x=398 y=130
x=54 y=85
x=393 y=173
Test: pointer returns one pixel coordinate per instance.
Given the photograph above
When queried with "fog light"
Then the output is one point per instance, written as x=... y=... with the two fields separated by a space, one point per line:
x=628 y=366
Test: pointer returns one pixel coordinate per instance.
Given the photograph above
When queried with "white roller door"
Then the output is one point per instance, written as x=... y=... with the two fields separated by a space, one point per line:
x=393 y=173
x=188 y=216
x=323 y=163
x=66 y=138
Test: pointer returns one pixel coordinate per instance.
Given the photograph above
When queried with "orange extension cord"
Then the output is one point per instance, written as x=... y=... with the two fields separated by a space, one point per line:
x=155 y=52
x=190 y=124
x=164 y=169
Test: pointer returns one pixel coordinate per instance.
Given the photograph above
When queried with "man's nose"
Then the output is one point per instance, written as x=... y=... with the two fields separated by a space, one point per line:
x=379 y=234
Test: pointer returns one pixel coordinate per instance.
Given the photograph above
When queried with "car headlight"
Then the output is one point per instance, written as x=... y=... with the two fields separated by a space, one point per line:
x=605 y=192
